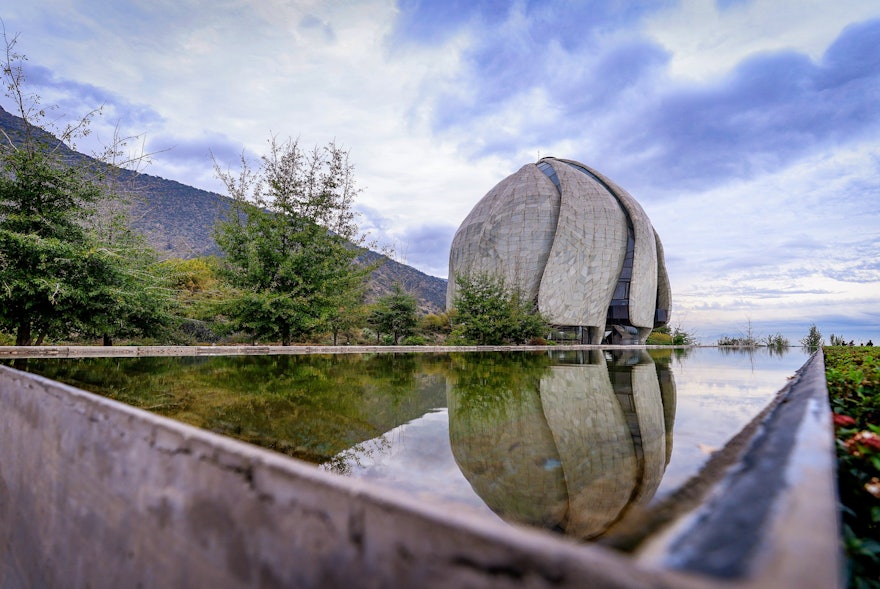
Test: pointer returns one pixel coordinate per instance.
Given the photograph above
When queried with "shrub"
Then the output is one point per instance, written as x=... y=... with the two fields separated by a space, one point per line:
x=853 y=376
x=487 y=312
x=658 y=338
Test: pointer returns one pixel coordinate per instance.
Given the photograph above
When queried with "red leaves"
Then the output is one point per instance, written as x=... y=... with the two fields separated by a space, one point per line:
x=843 y=420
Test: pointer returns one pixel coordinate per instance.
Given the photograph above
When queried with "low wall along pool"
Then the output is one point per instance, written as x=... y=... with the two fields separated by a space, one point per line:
x=588 y=443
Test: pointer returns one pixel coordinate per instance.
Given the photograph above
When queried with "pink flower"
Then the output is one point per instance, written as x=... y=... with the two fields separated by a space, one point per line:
x=863 y=441
x=843 y=420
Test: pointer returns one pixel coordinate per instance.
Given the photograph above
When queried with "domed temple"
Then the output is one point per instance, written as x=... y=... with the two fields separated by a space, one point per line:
x=575 y=243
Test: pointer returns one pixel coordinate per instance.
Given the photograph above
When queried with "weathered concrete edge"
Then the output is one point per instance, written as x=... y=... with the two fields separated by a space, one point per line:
x=144 y=351
x=98 y=493
x=787 y=478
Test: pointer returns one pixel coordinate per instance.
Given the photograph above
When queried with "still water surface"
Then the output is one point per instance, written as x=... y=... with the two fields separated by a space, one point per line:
x=563 y=440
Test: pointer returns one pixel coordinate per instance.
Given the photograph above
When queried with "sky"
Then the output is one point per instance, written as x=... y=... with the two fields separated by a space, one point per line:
x=748 y=130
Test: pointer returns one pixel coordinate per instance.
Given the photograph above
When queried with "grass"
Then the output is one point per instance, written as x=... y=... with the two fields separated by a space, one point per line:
x=853 y=376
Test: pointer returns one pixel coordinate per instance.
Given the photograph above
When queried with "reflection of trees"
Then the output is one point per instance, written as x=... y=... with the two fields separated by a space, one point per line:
x=486 y=383
x=311 y=407
x=573 y=449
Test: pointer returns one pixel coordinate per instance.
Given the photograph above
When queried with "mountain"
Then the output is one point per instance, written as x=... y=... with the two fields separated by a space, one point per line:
x=178 y=221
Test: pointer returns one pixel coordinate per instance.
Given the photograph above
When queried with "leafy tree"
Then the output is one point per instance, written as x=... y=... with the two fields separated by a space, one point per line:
x=129 y=295
x=813 y=339
x=291 y=241
x=350 y=312
x=395 y=314
x=57 y=275
x=487 y=312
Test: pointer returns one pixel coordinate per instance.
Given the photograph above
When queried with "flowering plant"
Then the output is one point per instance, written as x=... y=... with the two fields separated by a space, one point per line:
x=853 y=376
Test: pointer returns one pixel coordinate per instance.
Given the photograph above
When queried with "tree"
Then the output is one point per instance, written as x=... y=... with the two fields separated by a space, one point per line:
x=129 y=294
x=487 y=312
x=57 y=276
x=291 y=240
x=349 y=312
x=395 y=314
x=813 y=339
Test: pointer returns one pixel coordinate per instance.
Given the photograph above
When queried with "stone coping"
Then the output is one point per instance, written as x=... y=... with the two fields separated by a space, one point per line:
x=256 y=350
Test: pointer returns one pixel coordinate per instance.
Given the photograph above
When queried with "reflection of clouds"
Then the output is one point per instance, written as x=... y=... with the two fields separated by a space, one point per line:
x=573 y=453
x=415 y=458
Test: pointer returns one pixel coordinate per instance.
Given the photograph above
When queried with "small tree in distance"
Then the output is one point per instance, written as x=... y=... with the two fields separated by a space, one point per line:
x=395 y=314
x=813 y=339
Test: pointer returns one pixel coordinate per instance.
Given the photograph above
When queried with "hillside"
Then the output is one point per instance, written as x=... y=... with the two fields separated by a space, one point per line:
x=178 y=221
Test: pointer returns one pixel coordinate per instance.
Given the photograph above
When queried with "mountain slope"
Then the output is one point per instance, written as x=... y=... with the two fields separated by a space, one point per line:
x=178 y=221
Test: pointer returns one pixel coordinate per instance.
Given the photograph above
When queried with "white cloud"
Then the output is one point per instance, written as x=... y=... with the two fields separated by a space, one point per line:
x=797 y=244
x=708 y=41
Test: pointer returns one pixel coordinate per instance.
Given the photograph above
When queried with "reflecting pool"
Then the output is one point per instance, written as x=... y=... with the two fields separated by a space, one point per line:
x=566 y=440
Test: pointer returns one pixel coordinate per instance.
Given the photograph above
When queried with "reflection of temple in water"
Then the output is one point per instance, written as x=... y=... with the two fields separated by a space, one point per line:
x=576 y=451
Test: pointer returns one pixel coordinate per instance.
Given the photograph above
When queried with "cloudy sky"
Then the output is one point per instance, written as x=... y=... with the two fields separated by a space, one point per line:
x=749 y=130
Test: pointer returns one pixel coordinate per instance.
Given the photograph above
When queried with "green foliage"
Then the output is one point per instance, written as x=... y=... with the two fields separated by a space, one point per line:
x=487 y=389
x=200 y=297
x=435 y=323
x=132 y=297
x=487 y=312
x=395 y=314
x=777 y=341
x=63 y=272
x=291 y=242
x=659 y=338
x=813 y=339
x=677 y=336
x=738 y=341
x=853 y=376
x=435 y=327
x=746 y=339
x=291 y=404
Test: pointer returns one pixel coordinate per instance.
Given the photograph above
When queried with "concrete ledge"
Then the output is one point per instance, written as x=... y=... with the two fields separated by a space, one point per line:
x=96 y=493
x=772 y=520
x=143 y=351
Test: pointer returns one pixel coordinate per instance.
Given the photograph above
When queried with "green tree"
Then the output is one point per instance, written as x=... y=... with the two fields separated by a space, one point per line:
x=487 y=312
x=395 y=314
x=813 y=339
x=349 y=311
x=291 y=241
x=57 y=276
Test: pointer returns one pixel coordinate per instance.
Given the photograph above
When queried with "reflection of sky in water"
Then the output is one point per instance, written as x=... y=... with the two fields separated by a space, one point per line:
x=717 y=393
x=416 y=458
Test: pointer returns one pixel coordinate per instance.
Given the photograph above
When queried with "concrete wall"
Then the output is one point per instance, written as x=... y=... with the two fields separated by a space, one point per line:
x=97 y=494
